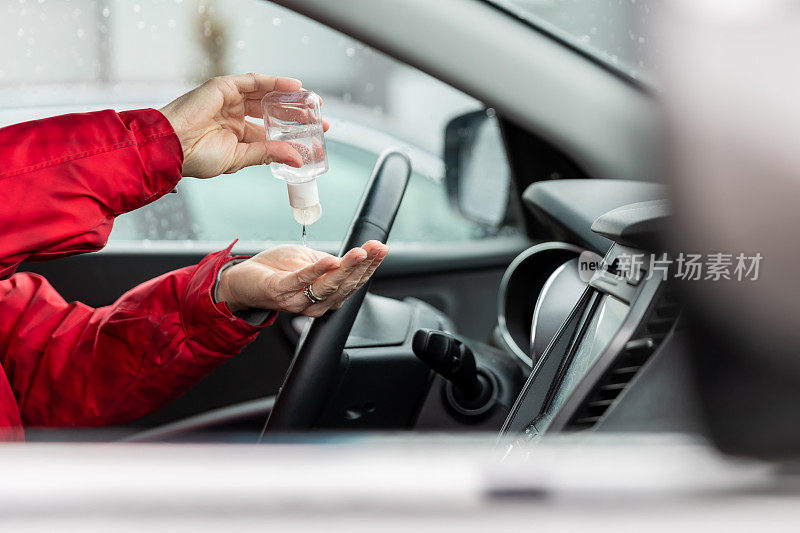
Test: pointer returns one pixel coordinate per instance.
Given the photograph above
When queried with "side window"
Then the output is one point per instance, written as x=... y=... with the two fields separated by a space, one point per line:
x=93 y=54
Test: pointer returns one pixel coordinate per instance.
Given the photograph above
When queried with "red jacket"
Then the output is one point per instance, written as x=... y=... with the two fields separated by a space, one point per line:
x=63 y=180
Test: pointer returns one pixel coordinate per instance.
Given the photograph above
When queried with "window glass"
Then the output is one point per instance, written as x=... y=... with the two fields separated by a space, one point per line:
x=80 y=55
x=610 y=29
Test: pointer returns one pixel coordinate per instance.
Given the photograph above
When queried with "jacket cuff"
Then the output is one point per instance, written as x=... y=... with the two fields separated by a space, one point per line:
x=257 y=317
x=209 y=323
x=160 y=152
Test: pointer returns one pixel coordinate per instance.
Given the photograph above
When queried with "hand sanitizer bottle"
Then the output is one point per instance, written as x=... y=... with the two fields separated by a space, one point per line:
x=295 y=117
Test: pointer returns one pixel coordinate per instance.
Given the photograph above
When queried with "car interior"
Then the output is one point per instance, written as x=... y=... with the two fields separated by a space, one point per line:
x=504 y=335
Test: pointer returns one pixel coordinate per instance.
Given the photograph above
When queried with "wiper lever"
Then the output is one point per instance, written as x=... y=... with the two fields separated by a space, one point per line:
x=473 y=390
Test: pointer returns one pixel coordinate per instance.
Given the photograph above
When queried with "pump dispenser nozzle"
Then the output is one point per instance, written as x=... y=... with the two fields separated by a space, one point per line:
x=304 y=199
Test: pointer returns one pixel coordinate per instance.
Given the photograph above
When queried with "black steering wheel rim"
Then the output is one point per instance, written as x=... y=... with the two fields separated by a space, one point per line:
x=312 y=375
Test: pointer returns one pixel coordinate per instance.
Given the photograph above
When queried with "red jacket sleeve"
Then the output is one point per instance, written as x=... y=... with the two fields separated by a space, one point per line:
x=65 y=178
x=71 y=365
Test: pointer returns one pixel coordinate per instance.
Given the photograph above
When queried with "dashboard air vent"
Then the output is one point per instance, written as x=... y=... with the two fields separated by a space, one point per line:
x=648 y=337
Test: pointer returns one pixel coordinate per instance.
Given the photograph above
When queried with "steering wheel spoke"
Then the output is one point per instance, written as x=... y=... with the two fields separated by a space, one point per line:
x=312 y=376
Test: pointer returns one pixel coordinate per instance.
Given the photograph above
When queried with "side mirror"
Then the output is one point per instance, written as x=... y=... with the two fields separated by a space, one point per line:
x=477 y=173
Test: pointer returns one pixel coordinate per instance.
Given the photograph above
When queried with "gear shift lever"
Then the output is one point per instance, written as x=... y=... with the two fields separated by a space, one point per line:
x=455 y=362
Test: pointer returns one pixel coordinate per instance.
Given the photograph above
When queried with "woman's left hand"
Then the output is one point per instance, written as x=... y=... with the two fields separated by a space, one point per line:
x=276 y=278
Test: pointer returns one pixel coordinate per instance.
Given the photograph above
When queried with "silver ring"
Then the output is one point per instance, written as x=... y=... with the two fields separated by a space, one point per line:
x=311 y=296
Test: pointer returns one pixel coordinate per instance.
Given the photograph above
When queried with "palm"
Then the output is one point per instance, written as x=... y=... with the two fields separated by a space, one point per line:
x=285 y=260
x=216 y=150
x=217 y=128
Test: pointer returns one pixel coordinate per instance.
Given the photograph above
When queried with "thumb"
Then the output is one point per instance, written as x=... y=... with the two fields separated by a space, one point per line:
x=265 y=152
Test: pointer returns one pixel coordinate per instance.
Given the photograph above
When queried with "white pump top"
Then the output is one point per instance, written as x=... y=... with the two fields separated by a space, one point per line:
x=304 y=199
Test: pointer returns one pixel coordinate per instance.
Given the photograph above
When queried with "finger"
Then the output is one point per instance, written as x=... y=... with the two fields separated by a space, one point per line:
x=327 y=290
x=329 y=283
x=353 y=258
x=337 y=300
x=254 y=85
x=254 y=109
x=346 y=288
x=373 y=267
x=286 y=85
x=381 y=251
x=341 y=298
x=298 y=280
x=377 y=250
x=253 y=132
x=264 y=152
x=349 y=284
x=374 y=246
x=325 y=124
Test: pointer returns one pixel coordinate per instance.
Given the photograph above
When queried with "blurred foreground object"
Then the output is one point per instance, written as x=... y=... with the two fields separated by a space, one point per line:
x=608 y=483
x=730 y=78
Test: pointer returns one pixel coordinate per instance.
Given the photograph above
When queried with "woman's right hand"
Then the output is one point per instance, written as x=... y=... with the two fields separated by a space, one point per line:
x=215 y=137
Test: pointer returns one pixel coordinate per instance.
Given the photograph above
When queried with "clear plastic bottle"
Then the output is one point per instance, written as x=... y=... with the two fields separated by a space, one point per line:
x=295 y=117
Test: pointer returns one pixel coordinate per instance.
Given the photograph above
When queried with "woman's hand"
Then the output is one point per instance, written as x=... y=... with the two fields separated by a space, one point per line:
x=275 y=278
x=215 y=137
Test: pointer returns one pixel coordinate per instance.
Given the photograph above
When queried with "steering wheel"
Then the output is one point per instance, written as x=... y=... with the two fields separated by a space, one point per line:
x=312 y=376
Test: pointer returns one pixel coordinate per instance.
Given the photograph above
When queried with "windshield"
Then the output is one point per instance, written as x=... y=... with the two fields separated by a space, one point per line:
x=609 y=30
